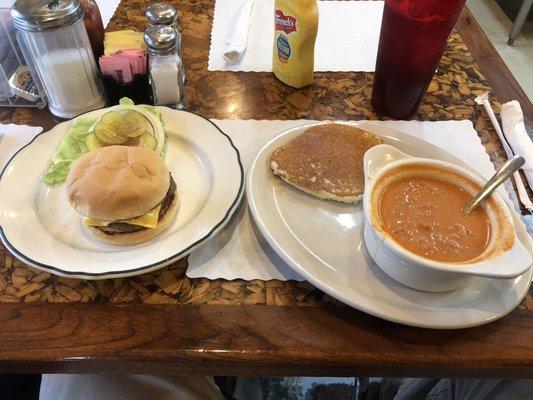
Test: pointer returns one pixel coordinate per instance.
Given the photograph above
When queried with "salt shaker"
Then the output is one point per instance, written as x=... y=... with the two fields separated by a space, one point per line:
x=166 y=77
x=166 y=14
x=55 y=37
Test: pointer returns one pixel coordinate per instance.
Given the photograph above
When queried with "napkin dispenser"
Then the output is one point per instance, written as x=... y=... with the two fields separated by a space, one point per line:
x=19 y=83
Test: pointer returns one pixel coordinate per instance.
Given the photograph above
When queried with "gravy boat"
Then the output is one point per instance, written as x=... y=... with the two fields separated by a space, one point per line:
x=504 y=257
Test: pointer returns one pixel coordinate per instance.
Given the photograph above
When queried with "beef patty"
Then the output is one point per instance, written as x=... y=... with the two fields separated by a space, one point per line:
x=115 y=228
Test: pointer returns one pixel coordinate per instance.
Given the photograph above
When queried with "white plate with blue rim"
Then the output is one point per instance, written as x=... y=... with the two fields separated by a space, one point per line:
x=323 y=242
x=40 y=228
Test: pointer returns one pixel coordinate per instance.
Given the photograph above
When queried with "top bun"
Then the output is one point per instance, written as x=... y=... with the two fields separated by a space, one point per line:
x=117 y=182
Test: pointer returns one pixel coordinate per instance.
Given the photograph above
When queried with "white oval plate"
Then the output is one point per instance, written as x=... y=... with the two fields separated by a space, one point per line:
x=40 y=228
x=323 y=242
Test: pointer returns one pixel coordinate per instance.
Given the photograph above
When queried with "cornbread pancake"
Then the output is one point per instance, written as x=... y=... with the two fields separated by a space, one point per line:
x=326 y=161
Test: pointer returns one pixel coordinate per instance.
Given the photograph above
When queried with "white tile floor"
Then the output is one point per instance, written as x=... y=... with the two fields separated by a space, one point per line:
x=496 y=25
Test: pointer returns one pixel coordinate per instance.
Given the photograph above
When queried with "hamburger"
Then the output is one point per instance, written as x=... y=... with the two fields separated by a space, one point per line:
x=126 y=195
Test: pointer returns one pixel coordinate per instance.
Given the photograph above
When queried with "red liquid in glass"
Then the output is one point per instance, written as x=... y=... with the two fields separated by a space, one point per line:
x=413 y=37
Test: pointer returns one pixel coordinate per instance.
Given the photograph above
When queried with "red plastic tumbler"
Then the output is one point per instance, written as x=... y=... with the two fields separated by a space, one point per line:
x=413 y=37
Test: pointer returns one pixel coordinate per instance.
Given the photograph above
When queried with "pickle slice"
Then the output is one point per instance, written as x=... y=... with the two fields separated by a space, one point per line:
x=92 y=142
x=109 y=129
x=147 y=140
x=133 y=123
x=116 y=127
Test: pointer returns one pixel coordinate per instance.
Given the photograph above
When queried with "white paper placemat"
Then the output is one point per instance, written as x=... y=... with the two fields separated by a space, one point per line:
x=348 y=35
x=240 y=252
x=12 y=138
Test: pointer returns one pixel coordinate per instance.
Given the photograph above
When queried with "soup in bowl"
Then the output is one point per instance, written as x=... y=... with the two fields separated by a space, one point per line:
x=417 y=233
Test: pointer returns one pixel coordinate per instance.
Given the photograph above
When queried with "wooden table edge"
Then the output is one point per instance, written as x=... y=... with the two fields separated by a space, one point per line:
x=247 y=340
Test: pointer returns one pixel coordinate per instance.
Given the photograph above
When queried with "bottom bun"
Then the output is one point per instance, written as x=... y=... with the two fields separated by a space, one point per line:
x=129 y=239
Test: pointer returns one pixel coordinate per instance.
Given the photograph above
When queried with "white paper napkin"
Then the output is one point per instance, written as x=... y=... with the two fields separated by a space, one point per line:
x=238 y=34
x=348 y=35
x=515 y=132
x=12 y=138
x=240 y=252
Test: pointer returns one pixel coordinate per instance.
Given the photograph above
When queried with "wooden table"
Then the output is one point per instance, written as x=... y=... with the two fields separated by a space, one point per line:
x=165 y=322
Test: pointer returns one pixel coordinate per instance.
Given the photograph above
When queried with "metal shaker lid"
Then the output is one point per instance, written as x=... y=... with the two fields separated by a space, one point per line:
x=162 y=14
x=160 y=39
x=41 y=15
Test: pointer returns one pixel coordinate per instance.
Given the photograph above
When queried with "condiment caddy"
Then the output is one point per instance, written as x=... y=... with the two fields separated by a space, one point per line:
x=56 y=58
x=146 y=67
x=124 y=67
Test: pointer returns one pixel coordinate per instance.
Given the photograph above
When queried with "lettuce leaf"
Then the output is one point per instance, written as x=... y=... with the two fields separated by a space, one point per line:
x=73 y=146
x=58 y=172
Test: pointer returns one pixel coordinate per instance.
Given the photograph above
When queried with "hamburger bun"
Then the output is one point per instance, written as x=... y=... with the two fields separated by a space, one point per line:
x=143 y=235
x=117 y=182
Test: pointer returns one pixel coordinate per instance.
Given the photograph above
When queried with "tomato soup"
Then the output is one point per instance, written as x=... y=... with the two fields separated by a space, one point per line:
x=423 y=214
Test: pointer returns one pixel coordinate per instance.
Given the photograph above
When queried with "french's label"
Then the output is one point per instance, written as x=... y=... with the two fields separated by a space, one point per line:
x=285 y=23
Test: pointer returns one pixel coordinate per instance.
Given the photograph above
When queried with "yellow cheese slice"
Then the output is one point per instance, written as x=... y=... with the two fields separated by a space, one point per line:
x=148 y=220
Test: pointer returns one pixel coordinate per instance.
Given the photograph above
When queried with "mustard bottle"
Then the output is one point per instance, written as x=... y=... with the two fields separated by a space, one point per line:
x=295 y=30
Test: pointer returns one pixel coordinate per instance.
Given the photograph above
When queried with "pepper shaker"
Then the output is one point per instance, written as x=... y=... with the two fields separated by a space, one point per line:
x=166 y=77
x=54 y=34
x=162 y=14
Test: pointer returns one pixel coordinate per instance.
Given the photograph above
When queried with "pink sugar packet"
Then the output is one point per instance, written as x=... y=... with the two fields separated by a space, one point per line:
x=117 y=67
x=137 y=59
x=124 y=65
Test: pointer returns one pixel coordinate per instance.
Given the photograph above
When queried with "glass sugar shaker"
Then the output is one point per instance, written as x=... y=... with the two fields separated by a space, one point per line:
x=54 y=36
x=166 y=77
x=165 y=14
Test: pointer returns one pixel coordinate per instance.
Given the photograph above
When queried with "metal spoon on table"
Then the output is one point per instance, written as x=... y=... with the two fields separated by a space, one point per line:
x=510 y=167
